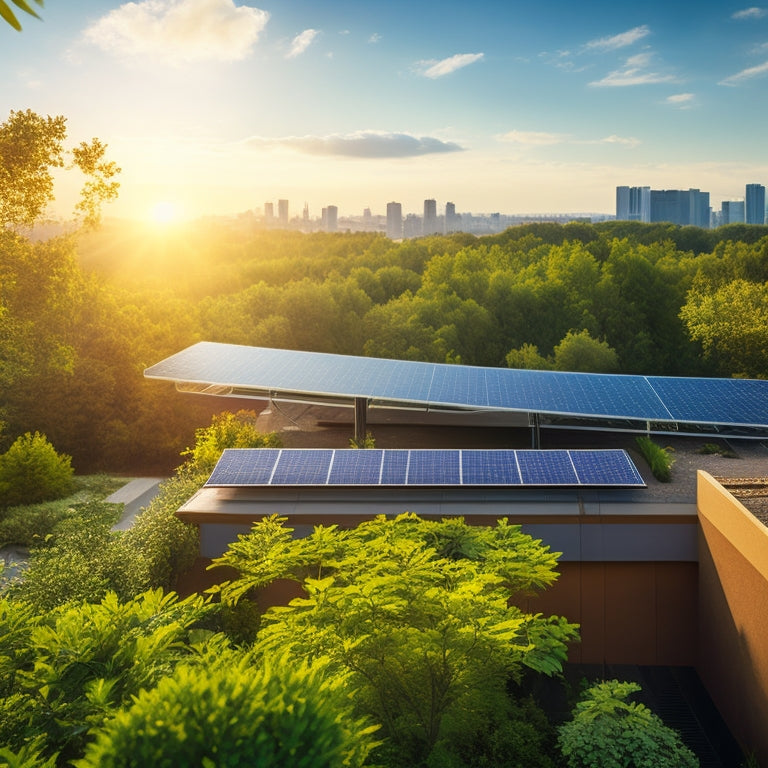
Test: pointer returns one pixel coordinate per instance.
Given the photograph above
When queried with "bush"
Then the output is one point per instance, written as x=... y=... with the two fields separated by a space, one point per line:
x=271 y=716
x=607 y=731
x=659 y=459
x=32 y=471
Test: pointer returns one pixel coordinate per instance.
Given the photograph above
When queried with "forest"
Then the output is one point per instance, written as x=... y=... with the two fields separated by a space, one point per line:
x=82 y=315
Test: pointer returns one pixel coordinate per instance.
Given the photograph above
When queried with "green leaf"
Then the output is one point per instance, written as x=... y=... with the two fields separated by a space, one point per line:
x=7 y=14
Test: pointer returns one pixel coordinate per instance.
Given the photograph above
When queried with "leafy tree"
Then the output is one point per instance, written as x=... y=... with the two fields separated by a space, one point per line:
x=271 y=715
x=528 y=357
x=10 y=17
x=31 y=470
x=607 y=731
x=580 y=352
x=417 y=612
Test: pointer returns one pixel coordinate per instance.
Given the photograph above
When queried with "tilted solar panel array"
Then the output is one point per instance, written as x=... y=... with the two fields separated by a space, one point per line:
x=267 y=372
x=276 y=467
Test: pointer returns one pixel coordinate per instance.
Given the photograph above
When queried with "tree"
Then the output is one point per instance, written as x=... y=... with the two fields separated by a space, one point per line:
x=31 y=146
x=418 y=614
x=528 y=357
x=10 y=17
x=607 y=731
x=580 y=352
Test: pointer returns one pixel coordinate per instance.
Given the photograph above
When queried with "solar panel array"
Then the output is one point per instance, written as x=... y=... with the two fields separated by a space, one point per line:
x=267 y=372
x=276 y=467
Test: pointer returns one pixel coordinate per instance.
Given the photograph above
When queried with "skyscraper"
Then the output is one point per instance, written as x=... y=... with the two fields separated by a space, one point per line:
x=394 y=221
x=755 y=204
x=282 y=213
x=331 y=218
x=732 y=212
x=680 y=206
x=451 y=223
x=430 y=217
x=633 y=203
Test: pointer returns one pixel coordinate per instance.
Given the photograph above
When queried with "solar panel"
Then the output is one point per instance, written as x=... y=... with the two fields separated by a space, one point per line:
x=489 y=468
x=412 y=468
x=271 y=372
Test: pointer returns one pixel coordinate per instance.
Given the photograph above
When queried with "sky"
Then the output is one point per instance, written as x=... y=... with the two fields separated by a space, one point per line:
x=212 y=107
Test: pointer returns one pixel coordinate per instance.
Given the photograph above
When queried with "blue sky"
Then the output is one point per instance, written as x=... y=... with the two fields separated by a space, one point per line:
x=215 y=107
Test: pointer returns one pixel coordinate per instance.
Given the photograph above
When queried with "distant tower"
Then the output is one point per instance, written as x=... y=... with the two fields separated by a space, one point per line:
x=633 y=204
x=732 y=212
x=331 y=218
x=755 y=204
x=394 y=221
x=282 y=213
x=430 y=217
x=450 y=218
x=305 y=213
x=269 y=214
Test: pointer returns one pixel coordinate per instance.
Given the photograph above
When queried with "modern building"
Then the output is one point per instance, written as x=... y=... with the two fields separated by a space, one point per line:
x=451 y=219
x=633 y=204
x=394 y=221
x=732 y=212
x=680 y=206
x=282 y=213
x=269 y=213
x=430 y=224
x=755 y=204
x=331 y=218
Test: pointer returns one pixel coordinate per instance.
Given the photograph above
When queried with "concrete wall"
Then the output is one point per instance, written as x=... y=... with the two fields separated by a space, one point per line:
x=733 y=614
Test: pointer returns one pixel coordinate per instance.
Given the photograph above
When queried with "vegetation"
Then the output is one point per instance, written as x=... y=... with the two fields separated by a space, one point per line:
x=659 y=459
x=8 y=15
x=607 y=731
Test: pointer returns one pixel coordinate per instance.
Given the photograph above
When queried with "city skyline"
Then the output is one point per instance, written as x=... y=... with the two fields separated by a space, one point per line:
x=212 y=107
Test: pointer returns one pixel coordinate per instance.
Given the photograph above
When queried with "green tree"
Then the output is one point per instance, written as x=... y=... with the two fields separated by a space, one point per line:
x=607 y=731
x=417 y=612
x=580 y=352
x=528 y=357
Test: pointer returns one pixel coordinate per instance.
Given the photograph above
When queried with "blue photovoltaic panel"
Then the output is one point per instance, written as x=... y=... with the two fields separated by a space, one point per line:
x=605 y=467
x=489 y=468
x=434 y=468
x=546 y=468
x=356 y=467
x=267 y=372
x=244 y=466
x=394 y=467
x=450 y=468
x=302 y=467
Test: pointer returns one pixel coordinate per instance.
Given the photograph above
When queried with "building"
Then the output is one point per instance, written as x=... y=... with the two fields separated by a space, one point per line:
x=269 y=214
x=331 y=218
x=282 y=213
x=682 y=207
x=732 y=212
x=755 y=204
x=452 y=223
x=633 y=204
x=394 y=221
x=430 y=223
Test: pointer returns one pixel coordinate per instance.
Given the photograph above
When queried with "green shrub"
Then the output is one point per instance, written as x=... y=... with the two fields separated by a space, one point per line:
x=659 y=459
x=271 y=716
x=32 y=471
x=607 y=731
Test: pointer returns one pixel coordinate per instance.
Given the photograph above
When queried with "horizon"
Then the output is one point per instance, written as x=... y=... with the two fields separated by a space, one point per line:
x=213 y=108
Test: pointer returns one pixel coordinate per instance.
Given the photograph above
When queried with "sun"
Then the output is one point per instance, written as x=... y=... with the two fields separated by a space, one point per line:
x=165 y=212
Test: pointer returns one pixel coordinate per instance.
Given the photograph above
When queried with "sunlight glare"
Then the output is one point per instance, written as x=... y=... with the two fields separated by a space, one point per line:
x=165 y=212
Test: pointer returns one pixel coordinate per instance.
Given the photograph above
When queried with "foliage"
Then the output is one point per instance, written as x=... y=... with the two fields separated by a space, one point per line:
x=8 y=15
x=659 y=459
x=272 y=715
x=528 y=357
x=31 y=470
x=369 y=441
x=227 y=430
x=66 y=670
x=417 y=612
x=580 y=352
x=607 y=731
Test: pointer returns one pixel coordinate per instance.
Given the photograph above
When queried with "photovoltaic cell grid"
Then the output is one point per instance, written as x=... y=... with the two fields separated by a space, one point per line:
x=259 y=370
x=240 y=467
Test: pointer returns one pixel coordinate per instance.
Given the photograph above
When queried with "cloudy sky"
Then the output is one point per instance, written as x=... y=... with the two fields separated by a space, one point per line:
x=216 y=107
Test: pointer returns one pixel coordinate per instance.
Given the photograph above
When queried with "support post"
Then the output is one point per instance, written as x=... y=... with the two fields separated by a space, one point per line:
x=535 y=432
x=361 y=410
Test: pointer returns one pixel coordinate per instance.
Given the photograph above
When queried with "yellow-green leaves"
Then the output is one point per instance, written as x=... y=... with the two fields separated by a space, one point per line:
x=7 y=13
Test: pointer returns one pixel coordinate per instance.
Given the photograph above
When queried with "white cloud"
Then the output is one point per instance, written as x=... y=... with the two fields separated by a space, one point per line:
x=374 y=38
x=680 y=100
x=361 y=144
x=626 y=141
x=434 y=69
x=746 y=74
x=301 y=42
x=634 y=72
x=619 y=41
x=178 y=31
x=534 y=138
x=750 y=13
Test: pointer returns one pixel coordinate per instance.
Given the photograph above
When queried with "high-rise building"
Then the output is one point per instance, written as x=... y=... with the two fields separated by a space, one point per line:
x=269 y=214
x=430 y=217
x=451 y=220
x=679 y=206
x=755 y=204
x=331 y=218
x=394 y=221
x=282 y=213
x=732 y=212
x=633 y=203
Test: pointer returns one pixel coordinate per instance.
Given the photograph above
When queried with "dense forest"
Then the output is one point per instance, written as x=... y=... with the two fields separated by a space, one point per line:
x=82 y=316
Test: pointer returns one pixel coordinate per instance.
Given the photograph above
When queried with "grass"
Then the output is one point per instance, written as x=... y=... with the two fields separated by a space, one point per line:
x=659 y=459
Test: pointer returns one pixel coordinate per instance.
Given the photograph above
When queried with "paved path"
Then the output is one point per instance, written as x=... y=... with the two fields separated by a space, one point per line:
x=135 y=495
